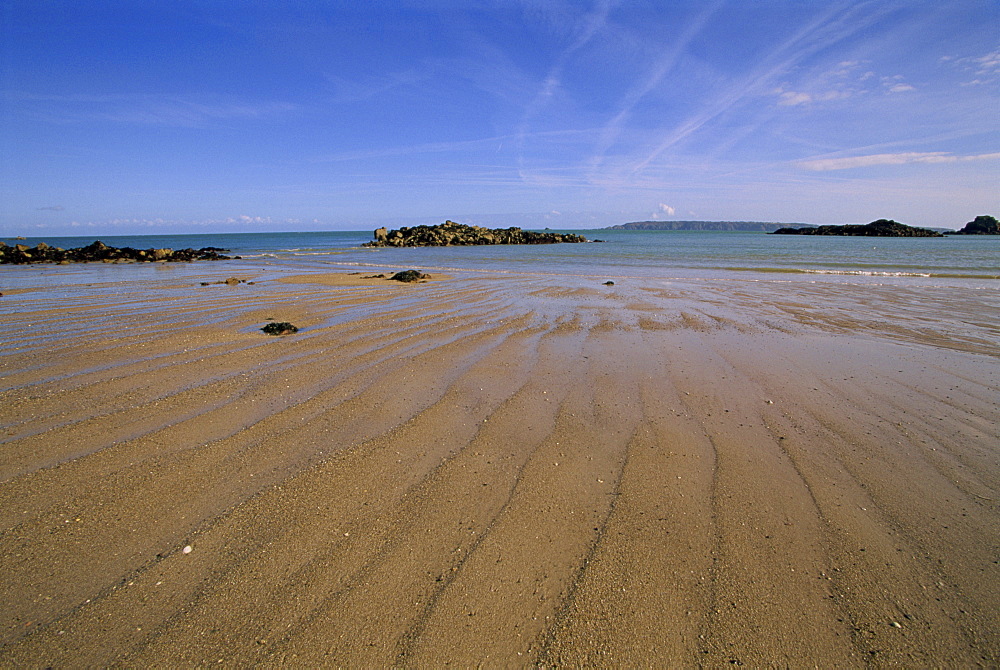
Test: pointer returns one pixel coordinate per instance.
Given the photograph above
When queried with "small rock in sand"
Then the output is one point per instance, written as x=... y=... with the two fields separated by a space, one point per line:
x=279 y=328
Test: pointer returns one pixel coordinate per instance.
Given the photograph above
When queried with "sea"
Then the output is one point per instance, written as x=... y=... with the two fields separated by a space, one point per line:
x=966 y=261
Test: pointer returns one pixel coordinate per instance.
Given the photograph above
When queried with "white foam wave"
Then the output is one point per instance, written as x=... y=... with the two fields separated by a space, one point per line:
x=866 y=273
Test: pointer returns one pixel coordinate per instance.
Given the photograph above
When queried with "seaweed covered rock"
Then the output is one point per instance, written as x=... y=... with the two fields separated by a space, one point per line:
x=450 y=233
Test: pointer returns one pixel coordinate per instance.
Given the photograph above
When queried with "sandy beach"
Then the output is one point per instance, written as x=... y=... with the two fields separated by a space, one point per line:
x=498 y=470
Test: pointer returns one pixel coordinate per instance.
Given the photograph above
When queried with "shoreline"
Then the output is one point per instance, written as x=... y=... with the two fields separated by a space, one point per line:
x=501 y=470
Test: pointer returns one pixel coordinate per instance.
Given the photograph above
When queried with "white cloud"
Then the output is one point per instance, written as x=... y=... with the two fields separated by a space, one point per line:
x=988 y=64
x=895 y=84
x=666 y=209
x=986 y=68
x=793 y=98
x=825 y=164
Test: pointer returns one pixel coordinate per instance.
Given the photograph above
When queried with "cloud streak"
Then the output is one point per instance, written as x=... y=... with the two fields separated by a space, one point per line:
x=823 y=32
x=593 y=23
x=903 y=158
x=612 y=130
x=150 y=109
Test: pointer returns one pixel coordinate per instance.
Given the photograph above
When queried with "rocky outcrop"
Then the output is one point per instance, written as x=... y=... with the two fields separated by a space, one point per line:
x=410 y=276
x=880 y=228
x=99 y=252
x=981 y=225
x=450 y=233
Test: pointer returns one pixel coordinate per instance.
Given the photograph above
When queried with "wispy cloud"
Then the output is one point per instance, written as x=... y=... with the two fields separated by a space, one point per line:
x=51 y=208
x=447 y=147
x=793 y=98
x=243 y=220
x=895 y=84
x=985 y=69
x=346 y=90
x=825 y=164
x=589 y=26
x=824 y=31
x=846 y=80
x=152 y=109
x=181 y=112
x=661 y=67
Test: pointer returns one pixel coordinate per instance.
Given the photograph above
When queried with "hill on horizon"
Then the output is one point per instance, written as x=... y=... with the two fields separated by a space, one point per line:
x=753 y=226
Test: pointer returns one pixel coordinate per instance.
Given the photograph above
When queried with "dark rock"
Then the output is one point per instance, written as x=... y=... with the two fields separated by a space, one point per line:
x=880 y=228
x=232 y=281
x=279 y=328
x=410 y=276
x=609 y=283
x=981 y=225
x=450 y=233
x=97 y=251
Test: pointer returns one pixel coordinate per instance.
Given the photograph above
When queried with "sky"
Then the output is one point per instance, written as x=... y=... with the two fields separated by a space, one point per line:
x=243 y=116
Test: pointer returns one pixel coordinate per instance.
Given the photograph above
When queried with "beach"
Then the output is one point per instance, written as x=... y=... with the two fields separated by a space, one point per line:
x=499 y=470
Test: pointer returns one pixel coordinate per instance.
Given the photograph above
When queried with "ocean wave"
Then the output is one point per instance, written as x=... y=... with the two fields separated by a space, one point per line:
x=866 y=273
x=862 y=273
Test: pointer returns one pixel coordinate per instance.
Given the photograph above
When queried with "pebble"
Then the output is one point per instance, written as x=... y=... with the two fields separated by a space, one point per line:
x=187 y=549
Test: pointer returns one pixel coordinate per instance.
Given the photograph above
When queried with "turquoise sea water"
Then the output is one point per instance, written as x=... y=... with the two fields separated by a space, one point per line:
x=961 y=261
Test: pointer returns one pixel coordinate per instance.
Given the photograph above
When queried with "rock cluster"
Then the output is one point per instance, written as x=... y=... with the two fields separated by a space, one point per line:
x=981 y=225
x=100 y=252
x=450 y=233
x=880 y=228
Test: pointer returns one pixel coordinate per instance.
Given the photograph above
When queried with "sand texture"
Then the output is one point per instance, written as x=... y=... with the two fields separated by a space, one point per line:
x=506 y=471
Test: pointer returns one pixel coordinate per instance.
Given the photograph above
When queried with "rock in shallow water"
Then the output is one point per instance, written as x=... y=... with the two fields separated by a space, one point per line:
x=450 y=233
x=97 y=251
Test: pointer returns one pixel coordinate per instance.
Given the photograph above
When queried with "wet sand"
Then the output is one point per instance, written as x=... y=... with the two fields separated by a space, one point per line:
x=502 y=471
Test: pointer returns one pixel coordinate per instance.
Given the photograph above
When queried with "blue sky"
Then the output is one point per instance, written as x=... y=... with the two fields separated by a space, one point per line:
x=135 y=117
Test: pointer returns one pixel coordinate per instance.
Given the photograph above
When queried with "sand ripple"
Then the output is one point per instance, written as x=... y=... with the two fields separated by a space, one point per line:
x=500 y=471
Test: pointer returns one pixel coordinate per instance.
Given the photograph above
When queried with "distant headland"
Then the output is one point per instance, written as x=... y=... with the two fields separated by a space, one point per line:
x=751 y=226
x=450 y=233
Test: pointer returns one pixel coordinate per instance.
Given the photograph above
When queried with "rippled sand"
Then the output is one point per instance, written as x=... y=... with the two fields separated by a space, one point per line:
x=503 y=470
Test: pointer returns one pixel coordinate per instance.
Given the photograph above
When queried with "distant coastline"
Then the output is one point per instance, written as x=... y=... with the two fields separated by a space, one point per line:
x=748 y=226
